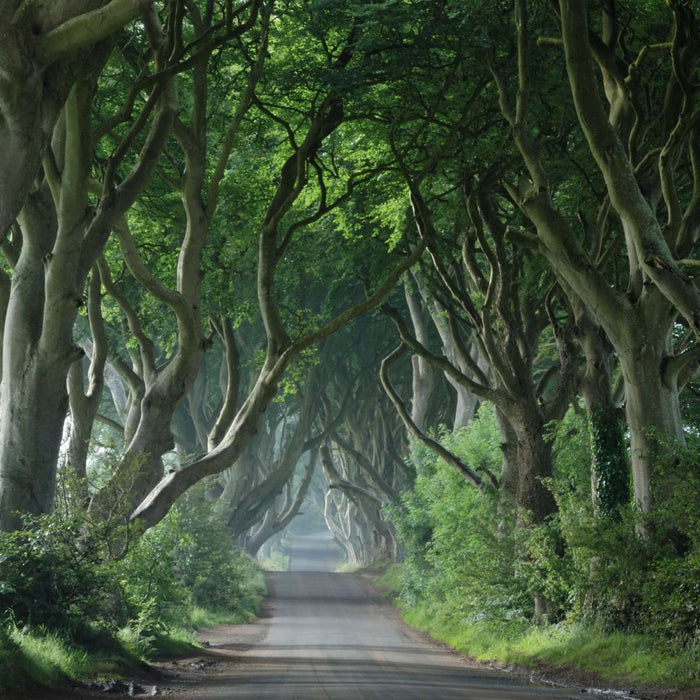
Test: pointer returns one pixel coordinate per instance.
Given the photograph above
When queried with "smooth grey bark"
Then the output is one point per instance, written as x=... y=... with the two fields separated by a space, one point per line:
x=45 y=294
x=165 y=387
x=273 y=240
x=5 y=287
x=654 y=244
x=256 y=502
x=61 y=239
x=376 y=535
x=231 y=374
x=32 y=393
x=467 y=401
x=276 y=520
x=84 y=401
x=640 y=331
x=509 y=451
x=386 y=489
x=247 y=471
x=652 y=406
x=507 y=329
x=114 y=384
x=280 y=466
x=469 y=474
x=196 y=402
x=423 y=380
x=338 y=516
x=44 y=49
x=244 y=426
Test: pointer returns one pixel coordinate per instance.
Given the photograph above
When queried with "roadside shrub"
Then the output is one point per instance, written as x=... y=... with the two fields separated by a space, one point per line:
x=209 y=564
x=51 y=575
x=671 y=592
x=462 y=547
x=472 y=557
x=56 y=575
x=155 y=599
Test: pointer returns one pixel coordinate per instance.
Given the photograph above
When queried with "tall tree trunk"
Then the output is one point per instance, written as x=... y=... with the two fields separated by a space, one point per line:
x=467 y=401
x=534 y=457
x=84 y=404
x=423 y=379
x=509 y=452
x=609 y=464
x=33 y=396
x=61 y=239
x=653 y=410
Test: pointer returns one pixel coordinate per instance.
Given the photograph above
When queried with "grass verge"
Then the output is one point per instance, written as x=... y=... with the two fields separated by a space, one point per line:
x=28 y=659
x=277 y=561
x=39 y=658
x=613 y=656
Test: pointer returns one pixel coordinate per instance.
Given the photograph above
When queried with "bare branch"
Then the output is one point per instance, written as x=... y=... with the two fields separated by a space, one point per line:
x=464 y=469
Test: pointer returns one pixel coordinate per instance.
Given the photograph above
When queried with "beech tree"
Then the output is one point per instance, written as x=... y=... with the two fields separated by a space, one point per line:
x=166 y=386
x=507 y=320
x=322 y=119
x=155 y=392
x=643 y=151
x=55 y=241
x=286 y=164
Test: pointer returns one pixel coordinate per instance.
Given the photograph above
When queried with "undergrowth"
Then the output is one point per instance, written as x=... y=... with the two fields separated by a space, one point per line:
x=617 y=590
x=612 y=656
x=71 y=612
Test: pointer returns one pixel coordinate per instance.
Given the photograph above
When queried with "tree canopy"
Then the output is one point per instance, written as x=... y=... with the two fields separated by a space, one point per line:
x=280 y=246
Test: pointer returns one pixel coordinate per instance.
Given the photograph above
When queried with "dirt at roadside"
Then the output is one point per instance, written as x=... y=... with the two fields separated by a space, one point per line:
x=223 y=647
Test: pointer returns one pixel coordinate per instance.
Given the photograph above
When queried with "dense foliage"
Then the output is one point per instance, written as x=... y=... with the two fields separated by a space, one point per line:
x=468 y=561
x=55 y=577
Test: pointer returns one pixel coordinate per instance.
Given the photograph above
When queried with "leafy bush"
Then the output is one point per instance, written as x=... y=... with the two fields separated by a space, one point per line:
x=625 y=581
x=56 y=575
x=472 y=559
x=671 y=592
x=218 y=574
x=461 y=546
x=51 y=575
x=155 y=599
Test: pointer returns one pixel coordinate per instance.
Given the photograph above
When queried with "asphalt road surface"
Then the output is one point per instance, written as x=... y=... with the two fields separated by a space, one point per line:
x=328 y=637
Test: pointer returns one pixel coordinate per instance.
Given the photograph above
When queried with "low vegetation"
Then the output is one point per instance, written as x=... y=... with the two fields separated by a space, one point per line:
x=619 y=604
x=75 y=610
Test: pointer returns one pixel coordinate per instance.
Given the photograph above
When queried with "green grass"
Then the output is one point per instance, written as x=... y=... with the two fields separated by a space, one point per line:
x=347 y=568
x=376 y=567
x=47 y=659
x=39 y=658
x=390 y=581
x=142 y=647
x=201 y=617
x=630 y=658
x=277 y=561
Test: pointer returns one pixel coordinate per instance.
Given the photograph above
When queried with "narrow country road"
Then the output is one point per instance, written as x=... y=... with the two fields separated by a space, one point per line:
x=327 y=637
